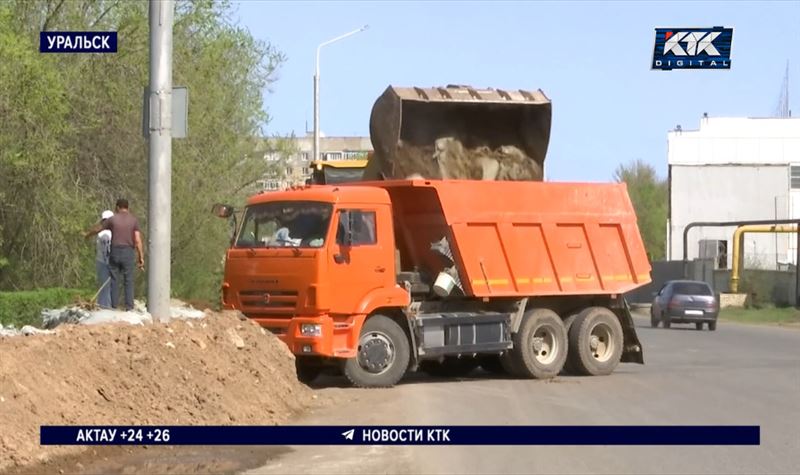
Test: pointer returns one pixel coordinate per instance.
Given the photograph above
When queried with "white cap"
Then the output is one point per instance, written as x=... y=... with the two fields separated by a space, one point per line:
x=107 y=214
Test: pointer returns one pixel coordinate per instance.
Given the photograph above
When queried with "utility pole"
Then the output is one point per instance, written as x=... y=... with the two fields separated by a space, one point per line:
x=160 y=160
x=316 y=86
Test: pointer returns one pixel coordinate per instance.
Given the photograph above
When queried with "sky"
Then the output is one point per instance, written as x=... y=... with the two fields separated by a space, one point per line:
x=592 y=59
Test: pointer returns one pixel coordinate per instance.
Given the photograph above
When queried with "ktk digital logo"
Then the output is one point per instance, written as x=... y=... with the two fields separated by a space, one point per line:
x=693 y=48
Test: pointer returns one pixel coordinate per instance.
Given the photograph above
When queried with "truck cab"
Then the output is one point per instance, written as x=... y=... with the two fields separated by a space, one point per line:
x=310 y=264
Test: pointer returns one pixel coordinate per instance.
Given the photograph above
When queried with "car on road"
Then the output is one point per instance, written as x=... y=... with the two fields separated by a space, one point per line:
x=685 y=301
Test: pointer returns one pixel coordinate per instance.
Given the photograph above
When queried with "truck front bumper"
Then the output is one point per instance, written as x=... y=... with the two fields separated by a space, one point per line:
x=336 y=338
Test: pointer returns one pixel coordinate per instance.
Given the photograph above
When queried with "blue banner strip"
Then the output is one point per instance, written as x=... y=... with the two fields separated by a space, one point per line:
x=78 y=42
x=400 y=435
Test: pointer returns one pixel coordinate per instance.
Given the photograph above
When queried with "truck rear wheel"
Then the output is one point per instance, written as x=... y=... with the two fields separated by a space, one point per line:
x=595 y=342
x=568 y=321
x=383 y=354
x=540 y=345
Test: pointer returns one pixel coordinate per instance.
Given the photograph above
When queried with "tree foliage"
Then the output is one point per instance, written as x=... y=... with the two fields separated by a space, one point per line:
x=649 y=195
x=72 y=140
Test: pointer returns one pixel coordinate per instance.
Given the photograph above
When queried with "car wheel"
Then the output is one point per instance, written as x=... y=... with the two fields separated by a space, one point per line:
x=699 y=326
x=712 y=325
x=653 y=319
x=665 y=321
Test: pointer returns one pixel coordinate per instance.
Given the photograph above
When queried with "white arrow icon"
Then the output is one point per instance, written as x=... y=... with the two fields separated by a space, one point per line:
x=349 y=434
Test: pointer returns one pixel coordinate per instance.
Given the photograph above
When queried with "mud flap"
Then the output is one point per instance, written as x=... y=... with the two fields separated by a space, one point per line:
x=632 y=351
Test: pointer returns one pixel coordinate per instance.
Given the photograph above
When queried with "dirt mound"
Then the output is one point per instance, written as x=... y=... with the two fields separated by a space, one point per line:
x=184 y=372
x=449 y=158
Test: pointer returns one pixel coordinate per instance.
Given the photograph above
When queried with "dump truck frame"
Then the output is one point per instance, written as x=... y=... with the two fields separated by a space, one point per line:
x=521 y=277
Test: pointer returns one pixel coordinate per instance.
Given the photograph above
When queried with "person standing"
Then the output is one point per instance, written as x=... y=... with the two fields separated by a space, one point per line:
x=102 y=254
x=126 y=251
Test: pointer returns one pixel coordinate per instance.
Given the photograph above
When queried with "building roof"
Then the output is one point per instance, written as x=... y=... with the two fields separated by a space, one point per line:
x=736 y=141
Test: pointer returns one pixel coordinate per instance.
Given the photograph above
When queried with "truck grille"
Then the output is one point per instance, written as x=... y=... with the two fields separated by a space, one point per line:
x=269 y=301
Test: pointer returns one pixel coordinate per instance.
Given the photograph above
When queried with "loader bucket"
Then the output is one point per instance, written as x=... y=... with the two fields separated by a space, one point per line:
x=458 y=132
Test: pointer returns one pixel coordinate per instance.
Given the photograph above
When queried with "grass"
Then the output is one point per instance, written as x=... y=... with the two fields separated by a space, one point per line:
x=25 y=307
x=766 y=315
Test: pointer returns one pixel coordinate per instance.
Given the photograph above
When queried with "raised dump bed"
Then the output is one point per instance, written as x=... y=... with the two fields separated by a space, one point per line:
x=521 y=238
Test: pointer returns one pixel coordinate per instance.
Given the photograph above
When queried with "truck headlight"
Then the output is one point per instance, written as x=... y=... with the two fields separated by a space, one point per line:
x=311 y=329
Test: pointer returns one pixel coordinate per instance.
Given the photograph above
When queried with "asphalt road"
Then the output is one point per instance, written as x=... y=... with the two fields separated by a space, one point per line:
x=738 y=375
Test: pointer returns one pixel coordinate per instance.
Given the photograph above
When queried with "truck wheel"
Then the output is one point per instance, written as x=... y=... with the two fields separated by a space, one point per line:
x=509 y=364
x=540 y=345
x=712 y=326
x=307 y=371
x=383 y=354
x=492 y=364
x=568 y=321
x=595 y=342
x=451 y=367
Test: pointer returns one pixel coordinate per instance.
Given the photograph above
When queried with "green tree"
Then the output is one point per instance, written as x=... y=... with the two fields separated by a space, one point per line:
x=649 y=196
x=71 y=142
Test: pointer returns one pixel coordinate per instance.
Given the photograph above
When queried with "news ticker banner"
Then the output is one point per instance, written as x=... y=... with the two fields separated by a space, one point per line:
x=400 y=435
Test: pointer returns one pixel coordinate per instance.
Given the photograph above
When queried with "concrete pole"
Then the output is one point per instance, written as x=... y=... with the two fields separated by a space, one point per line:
x=160 y=163
x=316 y=86
x=316 y=110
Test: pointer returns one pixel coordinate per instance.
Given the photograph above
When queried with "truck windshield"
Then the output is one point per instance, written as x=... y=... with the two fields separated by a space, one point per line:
x=285 y=224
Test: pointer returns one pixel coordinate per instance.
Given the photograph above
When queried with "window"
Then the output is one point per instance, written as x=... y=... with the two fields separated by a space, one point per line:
x=360 y=225
x=691 y=288
x=285 y=224
x=272 y=156
x=722 y=254
x=355 y=155
x=795 y=177
x=333 y=155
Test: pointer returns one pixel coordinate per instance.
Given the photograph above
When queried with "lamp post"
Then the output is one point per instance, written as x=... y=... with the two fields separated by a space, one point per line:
x=316 y=86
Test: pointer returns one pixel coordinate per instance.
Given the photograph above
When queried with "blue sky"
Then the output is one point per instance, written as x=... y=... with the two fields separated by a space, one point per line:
x=592 y=59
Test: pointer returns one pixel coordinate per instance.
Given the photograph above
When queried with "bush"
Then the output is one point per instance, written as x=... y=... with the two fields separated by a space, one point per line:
x=25 y=307
x=766 y=289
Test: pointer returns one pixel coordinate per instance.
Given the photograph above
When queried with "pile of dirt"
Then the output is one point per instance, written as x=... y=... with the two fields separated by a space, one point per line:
x=449 y=158
x=219 y=370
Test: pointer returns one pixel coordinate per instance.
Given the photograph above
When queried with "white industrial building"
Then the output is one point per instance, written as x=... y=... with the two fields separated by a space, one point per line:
x=734 y=169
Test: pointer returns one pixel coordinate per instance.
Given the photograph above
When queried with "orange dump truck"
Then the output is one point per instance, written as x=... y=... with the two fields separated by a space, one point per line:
x=376 y=279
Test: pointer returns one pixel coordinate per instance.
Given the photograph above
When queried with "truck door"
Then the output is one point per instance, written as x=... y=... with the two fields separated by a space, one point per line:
x=362 y=258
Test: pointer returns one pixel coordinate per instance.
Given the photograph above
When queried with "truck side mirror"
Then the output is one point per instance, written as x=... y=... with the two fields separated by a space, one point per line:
x=222 y=211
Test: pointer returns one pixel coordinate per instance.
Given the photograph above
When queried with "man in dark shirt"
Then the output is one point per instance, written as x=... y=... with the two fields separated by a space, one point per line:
x=126 y=245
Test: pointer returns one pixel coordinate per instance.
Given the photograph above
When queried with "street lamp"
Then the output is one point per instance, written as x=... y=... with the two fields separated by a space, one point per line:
x=316 y=86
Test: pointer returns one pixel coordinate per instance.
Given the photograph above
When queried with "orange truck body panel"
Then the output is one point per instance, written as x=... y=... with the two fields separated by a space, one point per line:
x=509 y=239
x=525 y=238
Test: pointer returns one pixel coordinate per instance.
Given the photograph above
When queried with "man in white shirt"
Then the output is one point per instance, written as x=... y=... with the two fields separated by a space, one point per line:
x=103 y=251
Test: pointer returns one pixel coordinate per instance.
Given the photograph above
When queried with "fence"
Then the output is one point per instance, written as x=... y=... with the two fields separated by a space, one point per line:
x=775 y=287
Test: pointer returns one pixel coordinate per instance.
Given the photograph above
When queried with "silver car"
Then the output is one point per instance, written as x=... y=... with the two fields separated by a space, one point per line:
x=685 y=301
